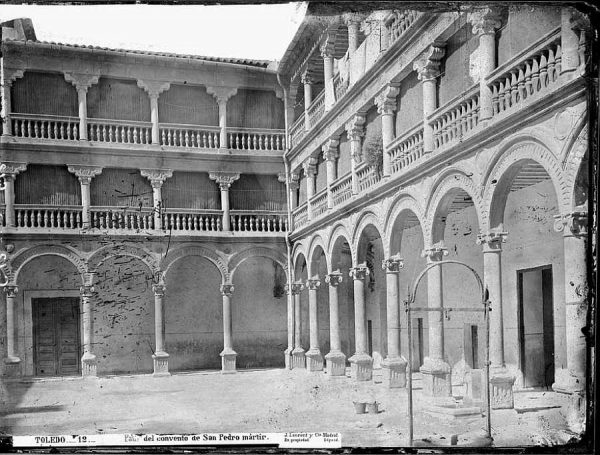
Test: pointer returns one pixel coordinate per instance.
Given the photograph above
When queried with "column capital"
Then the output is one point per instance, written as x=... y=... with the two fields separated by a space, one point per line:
x=10 y=169
x=85 y=174
x=297 y=287
x=491 y=240
x=222 y=94
x=353 y=18
x=386 y=99
x=330 y=150
x=82 y=81
x=310 y=166
x=574 y=223
x=393 y=264
x=578 y=20
x=312 y=284
x=360 y=272
x=153 y=88
x=355 y=127
x=334 y=278
x=227 y=289
x=224 y=179
x=436 y=252
x=159 y=289
x=427 y=65
x=485 y=20
x=87 y=290
x=294 y=181
x=327 y=48
x=281 y=177
x=156 y=176
x=11 y=290
x=307 y=78
x=9 y=75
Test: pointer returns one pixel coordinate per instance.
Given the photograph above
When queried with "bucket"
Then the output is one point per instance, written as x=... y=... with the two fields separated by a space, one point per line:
x=372 y=408
x=359 y=407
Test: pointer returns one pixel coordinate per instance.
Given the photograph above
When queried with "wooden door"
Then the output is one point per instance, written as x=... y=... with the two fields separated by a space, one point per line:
x=56 y=336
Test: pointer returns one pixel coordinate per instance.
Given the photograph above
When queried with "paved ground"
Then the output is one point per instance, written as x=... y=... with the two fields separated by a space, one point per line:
x=265 y=401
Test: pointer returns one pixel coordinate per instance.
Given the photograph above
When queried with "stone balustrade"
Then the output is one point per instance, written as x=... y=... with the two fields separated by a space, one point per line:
x=367 y=176
x=255 y=139
x=297 y=131
x=301 y=215
x=406 y=149
x=342 y=189
x=194 y=136
x=192 y=220
x=64 y=218
x=316 y=109
x=452 y=121
x=398 y=22
x=123 y=218
x=37 y=126
x=318 y=202
x=246 y=221
x=119 y=131
x=340 y=86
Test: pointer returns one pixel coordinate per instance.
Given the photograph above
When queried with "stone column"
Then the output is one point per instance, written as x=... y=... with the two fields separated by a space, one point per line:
x=293 y=186
x=11 y=327
x=82 y=82
x=435 y=369
x=160 y=356
x=224 y=180
x=228 y=355
x=222 y=95
x=335 y=359
x=330 y=154
x=355 y=131
x=394 y=365
x=362 y=363
x=314 y=359
x=88 y=360
x=298 y=359
x=291 y=323
x=327 y=54
x=154 y=89
x=8 y=172
x=500 y=379
x=353 y=23
x=9 y=75
x=574 y=227
x=157 y=177
x=428 y=69
x=85 y=174
x=307 y=81
x=485 y=22
x=310 y=170
x=386 y=106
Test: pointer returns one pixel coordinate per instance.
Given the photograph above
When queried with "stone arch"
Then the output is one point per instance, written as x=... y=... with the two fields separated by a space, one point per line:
x=367 y=219
x=529 y=150
x=102 y=254
x=339 y=230
x=450 y=180
x=195 y=250
x=26 y=255
x=401 y=203
x=316 y=242
x=574 y=158
x=240 y=257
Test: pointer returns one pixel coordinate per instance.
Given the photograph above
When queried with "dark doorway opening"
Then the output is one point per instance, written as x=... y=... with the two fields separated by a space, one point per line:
x=56 y=336
x=536 y=326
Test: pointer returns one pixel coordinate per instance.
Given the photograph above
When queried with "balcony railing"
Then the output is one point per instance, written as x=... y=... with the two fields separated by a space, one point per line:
x=398 y=22
x=316 y=109
x=340 y=86
x=37 y=126
x=301 y=215
x=192 y=220
x=342 y=189
x=406 y=149
x=251 y=221
x=123 y=218
x=367 y=176
x=298 y=130
x=63 y=218
x=318 y=203
x=256 y=139
x=184 y=135
x=119 y=131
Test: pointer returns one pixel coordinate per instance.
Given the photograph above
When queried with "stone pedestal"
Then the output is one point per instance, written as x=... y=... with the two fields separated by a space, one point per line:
x=501 y=391
x=88 y=365
x=314 y=360
x=394 y=372
x=287 y=354
x=228 y=357
x=298 y=358
x=437 y=381
x=161 y=364
x=569 y=383
x=335 y=364
x=361 y=367
x=575 y=413
x=12 y=369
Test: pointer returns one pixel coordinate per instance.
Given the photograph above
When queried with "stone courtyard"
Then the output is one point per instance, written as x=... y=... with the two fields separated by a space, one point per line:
x=264 y=401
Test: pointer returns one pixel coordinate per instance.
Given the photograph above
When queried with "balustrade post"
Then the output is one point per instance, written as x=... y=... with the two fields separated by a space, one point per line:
x=222 y=95
x=160 y=356
x=355 y=131
x=331 y=154
x=157 y=177
x=335 y=359
x=88 y=360
x=224 y=180
x=310 y=170
x=386 y=106
x=85 y=174
x=8 y=172
x=228 y=355
x=361 y=361
x=573 y=25
x=8 y=77
x=307 y=81
x=298 y=358
x=436 y=371
x=485 y=21
x=154 y=89
x=428 y=69
x=327 y=53
x=11 y=327
x=314 y=359
x=500 y=379
x=394 y=364
x=82 y=82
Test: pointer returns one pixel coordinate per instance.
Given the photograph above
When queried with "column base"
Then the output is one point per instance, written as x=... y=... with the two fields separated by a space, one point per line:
x=298 y=359
x=89 y=366
x=394 y=372
x=361 y=366
x=228 y=358
x=335 y=363
x=437 y=382
x=287 y=355
x=12 y=360
x=314 y=360
x=569 y=383
x=161 y=364
x=501 y=392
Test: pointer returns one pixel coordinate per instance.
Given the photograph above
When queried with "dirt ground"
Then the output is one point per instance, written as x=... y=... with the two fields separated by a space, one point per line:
x=263 y=401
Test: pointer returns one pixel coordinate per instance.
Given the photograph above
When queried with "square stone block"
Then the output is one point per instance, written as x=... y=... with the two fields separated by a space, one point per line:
x=335 y=364
x=361 y=367
x=314 y=360
x=298 y=358
x=394 y=373
x=88 y=366
x=228 y=358
x=501 y=392
x=161 y=364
